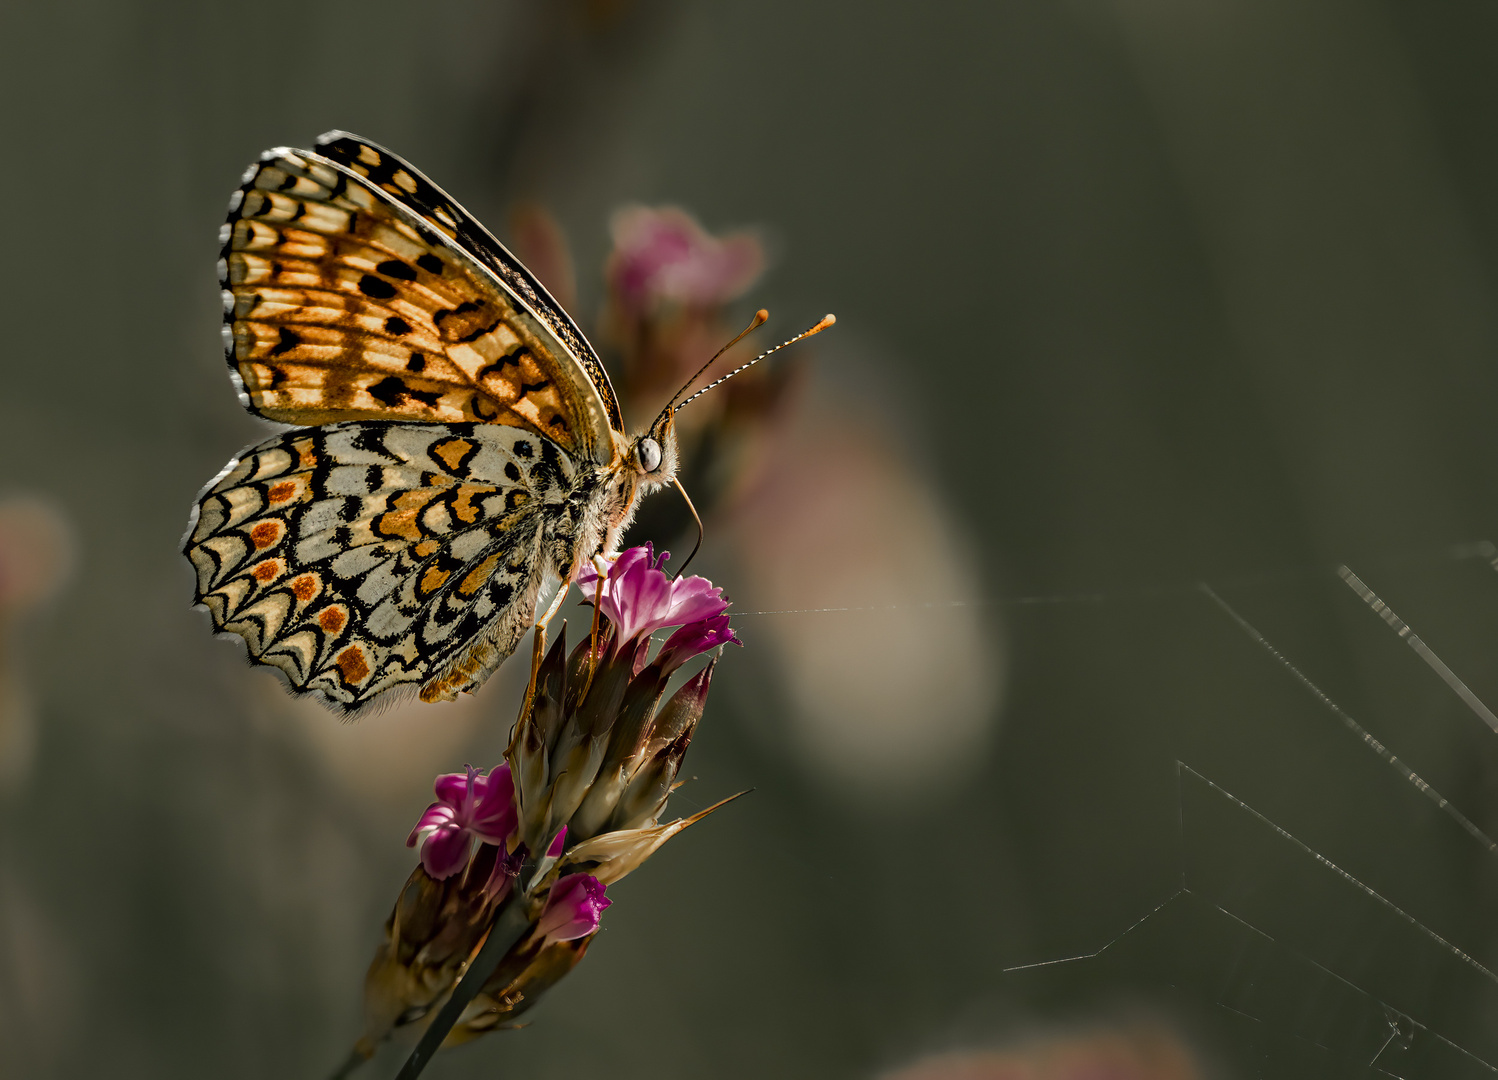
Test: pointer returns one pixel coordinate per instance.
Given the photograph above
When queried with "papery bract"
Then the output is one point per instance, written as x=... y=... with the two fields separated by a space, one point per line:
x=471 y=805
x=573 y=908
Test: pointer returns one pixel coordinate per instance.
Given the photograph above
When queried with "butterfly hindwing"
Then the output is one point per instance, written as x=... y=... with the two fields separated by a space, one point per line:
x=339 y=304
x=362 y=556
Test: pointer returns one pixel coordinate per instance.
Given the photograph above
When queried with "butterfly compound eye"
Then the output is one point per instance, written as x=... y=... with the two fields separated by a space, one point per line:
x=648 y=454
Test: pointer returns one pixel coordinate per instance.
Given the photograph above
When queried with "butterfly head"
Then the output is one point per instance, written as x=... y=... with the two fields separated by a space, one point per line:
x=653 y=453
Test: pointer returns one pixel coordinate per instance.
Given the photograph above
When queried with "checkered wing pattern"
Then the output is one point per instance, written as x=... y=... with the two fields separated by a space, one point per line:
x=362 y=557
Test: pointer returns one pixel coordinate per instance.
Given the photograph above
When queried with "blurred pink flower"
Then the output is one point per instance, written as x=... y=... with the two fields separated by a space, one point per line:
x=664 y=255
x=573 y=908
x=469 y=805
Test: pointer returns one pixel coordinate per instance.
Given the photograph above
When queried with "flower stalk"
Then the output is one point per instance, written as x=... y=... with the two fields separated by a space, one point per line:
x=516 y=861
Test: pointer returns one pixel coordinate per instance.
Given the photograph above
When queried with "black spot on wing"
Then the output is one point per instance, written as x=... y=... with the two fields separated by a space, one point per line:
x=288 y=340
x=429 y=262
x=370 y=438
x=377 y=288
x=394 y=268
x=396 y=325
x=480 y=332
x=510 y=359
x=389 y=391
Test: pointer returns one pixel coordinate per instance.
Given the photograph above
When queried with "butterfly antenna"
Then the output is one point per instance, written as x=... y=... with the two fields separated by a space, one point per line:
x=695 y=517
x=754 y=324
x=827 y=320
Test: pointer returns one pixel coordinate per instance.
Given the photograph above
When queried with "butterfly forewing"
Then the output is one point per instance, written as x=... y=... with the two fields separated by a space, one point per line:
x=358 y=557
x=413 y=191
x=339 y=305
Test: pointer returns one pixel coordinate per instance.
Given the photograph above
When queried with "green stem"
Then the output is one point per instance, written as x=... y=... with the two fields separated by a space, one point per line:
x=510 y=925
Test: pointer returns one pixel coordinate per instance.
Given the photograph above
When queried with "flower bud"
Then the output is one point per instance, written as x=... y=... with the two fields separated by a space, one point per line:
x=573 y=908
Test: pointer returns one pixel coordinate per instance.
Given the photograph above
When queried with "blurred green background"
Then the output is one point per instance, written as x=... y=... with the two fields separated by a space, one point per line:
x=1142 y=292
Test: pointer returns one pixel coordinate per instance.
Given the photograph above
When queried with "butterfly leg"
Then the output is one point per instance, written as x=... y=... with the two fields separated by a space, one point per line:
x=597 y=614
x=593 y=656
x=538 y=649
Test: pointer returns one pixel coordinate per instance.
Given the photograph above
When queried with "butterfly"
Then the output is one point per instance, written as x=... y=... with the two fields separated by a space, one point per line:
x=457 y=444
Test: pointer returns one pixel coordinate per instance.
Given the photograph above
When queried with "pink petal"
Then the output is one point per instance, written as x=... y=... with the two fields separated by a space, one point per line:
x=627 y=560
x=638 y=595
x=436 y=816
x=445 y=851
x=494 y=815
x=452 y=788
x=693 y=599
x=495 y=830
x=558 y=843
x=693 y=640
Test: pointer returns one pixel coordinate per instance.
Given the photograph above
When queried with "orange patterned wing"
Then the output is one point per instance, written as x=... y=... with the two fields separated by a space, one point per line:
x=404 y=183
x=342 y=304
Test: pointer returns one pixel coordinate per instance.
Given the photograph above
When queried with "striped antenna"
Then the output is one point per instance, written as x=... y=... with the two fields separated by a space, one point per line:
x=827 y=320
x=754 y=324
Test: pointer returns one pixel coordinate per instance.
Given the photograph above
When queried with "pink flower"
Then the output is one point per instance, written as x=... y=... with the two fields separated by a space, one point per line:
x=665 y=255
x=573 y=908
x=471 y=805
x=639 y=598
